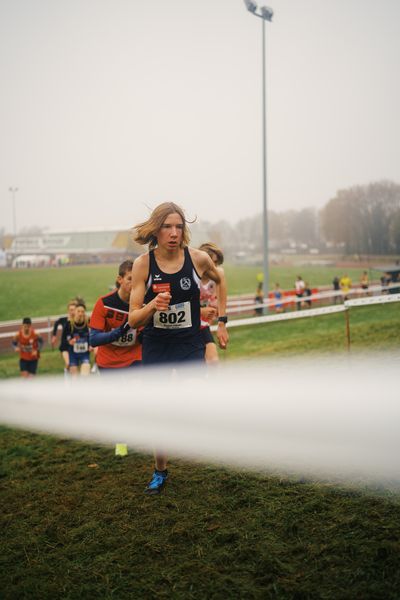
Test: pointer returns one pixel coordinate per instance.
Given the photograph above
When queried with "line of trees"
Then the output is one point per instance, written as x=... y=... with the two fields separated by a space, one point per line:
x=365 y=218
x=359 y=220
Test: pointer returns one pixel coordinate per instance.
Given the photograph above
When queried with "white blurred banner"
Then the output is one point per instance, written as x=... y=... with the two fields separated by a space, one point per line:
x=318 y=416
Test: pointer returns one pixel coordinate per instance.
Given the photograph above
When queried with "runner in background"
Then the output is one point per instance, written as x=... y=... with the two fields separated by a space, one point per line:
x=165 y=300
x=28 y=343
x=209 y=301
x=77 y=335
x=62 y=322
x=118 y=346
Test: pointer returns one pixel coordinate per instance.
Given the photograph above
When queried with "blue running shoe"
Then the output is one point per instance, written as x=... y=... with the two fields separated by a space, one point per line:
x=157 y=483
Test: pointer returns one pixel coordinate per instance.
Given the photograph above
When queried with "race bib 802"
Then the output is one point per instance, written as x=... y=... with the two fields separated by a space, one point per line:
x=178 y=316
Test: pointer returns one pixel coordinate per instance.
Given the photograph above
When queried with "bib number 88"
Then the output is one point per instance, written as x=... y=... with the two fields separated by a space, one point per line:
x=126 y=338
x=172 y=317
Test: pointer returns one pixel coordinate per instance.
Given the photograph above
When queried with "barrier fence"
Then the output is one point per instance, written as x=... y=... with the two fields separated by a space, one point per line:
x=239 y=305
x=315 y=312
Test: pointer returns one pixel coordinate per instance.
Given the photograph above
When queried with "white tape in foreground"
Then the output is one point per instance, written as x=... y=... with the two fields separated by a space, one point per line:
x=314 y=418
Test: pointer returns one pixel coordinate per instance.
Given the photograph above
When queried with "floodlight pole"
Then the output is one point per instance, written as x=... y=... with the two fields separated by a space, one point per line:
x=265 y=15
x=13 y=191
x=264 y=128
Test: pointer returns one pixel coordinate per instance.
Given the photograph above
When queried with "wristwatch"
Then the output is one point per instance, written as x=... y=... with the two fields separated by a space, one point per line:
x=222 y=319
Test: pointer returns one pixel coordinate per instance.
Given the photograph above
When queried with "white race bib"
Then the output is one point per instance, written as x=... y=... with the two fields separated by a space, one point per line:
x=80 y=347
x=128 y=339
x=178 y=316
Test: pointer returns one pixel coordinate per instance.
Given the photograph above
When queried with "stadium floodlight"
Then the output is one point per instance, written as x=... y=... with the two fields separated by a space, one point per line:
x=266 y=13
x=251 y=6
x=13 y=191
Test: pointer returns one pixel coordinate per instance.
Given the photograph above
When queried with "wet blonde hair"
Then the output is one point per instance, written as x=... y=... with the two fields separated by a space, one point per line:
x=146 y=233
x=211 y=248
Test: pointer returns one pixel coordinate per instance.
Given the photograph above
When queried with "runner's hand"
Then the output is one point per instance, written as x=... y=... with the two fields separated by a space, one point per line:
x=162 y=300
x=122 y=330
x=222 y=336
x=208 y=313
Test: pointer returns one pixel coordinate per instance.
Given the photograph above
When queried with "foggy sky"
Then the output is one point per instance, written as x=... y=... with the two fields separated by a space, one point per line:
x=110 y=107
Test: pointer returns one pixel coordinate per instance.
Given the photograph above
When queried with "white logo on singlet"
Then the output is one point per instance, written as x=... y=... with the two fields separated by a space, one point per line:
x=157 y=276
x=185 y=283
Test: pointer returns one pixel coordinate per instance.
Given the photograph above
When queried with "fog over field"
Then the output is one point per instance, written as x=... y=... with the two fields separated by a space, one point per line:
x=109 y=108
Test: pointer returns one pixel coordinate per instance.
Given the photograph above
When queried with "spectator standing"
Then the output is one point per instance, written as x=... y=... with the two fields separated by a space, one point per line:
x=278 y=295
x=345 y=286
x=259 y=299
x=364 y=282
x=299 y=287
x=307 y=293
x=336 y=288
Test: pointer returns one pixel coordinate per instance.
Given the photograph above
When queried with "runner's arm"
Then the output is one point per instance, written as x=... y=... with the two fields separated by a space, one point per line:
x=56 y=325
x=139 y=314
x=97 y=337
x=208 y=270
x=222 y=332
x=15 y=344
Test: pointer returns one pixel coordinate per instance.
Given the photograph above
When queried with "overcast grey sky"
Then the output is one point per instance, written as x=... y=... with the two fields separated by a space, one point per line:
x=109 y=106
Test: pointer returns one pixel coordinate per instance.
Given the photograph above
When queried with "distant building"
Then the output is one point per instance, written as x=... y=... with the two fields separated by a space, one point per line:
x=72 y=247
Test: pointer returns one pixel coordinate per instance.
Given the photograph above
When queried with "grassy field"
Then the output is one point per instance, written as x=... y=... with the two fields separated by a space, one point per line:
x=76 y=525
x=41 y=292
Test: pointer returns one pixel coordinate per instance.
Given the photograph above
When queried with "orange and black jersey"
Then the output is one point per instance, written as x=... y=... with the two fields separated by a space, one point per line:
x=121 y=348
x=29 y=345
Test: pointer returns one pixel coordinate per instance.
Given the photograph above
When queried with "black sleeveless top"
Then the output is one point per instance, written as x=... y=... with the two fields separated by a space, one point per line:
x=183 y=316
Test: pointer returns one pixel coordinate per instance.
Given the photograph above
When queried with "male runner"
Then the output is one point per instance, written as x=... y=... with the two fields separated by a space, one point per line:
x=62 y=322
x=165 y=300
x=28 y=343
x=118 y=344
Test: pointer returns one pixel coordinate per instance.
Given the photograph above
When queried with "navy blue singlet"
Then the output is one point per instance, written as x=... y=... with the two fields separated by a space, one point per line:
x=173 y=335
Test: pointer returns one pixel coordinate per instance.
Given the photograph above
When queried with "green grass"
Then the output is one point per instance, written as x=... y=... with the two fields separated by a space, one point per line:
x=41 y=292
x=372 y=328
x=73 y=531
